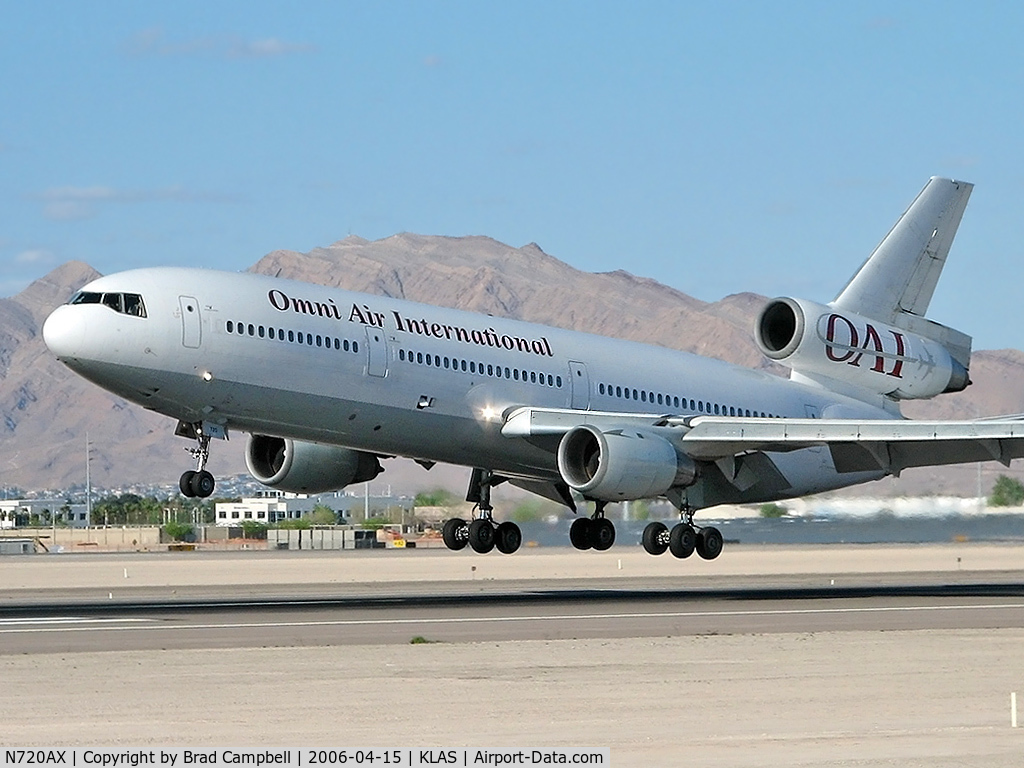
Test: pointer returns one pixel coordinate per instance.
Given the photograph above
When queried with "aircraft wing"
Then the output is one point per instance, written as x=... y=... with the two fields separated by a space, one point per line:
x=869 y=445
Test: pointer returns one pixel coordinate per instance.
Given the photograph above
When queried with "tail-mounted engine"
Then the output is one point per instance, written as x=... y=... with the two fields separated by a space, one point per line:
x=817 y=340
x=300 y=467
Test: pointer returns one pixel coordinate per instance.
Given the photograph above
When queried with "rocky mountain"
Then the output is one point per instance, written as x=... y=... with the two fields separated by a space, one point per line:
x=45 y=411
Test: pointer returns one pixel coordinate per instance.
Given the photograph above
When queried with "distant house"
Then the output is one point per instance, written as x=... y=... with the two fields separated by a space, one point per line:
x=20 y=513
x=269 y=507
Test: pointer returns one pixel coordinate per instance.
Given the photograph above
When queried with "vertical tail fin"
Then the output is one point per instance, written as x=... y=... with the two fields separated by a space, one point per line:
x=896 y=283
x=900 y=275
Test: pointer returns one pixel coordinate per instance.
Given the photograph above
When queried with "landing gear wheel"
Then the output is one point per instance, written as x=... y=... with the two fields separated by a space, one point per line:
x=507 y=538
x=184 y=483
x=682 y=540
x=602 y=533
x=581 y=533
x=455 y=534
x=709 y=543
x=655 y=538
x=481 y=536
x=202 y=484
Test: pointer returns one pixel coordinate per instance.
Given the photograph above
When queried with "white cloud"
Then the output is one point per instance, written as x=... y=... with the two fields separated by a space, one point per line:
x=154 y=42
x=250 y=49
x=35 y=256
x=70 y=203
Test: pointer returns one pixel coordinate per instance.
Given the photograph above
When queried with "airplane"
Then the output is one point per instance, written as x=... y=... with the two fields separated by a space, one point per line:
x=329 y=382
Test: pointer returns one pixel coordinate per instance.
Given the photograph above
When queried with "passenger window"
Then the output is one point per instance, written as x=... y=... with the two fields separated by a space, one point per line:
x=600 y=388
x=558 y=382
x=230 y=327
x=419 y=356
x=252 y=329
x=643 y=397
x=291 y=336
x=259 y=331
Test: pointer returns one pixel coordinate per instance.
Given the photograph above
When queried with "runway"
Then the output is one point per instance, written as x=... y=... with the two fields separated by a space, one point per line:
x=807 y=656
x=513 y=616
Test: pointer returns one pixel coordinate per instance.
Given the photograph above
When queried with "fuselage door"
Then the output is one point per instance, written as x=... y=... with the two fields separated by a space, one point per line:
x=579 y=383
x=376 y=351
x=191 y=323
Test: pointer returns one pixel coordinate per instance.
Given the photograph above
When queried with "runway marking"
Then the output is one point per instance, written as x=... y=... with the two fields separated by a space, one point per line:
x=151 y=624
x=62 y=620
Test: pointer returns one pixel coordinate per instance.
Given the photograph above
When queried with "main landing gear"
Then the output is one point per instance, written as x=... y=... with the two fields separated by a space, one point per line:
x=482 y=533
x=684 y=539
x=197 y=482
x=594 y=532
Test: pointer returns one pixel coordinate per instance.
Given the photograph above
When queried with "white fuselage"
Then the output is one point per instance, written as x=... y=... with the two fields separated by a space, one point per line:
x=393 y=377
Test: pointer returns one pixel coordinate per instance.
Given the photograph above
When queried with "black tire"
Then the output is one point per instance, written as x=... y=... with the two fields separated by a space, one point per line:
x=682 y=540
x=508 y=538
x=481 y=536
x=185 y=483
x=580 y=533
x=710 y=543
x=602 y=533
x=202 y=484
x=655 y=538
x=454 y=534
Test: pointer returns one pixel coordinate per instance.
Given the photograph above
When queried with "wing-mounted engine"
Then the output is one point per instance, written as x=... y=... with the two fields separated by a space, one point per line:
x=826 y=341
x=621 y=464
x=301 y=467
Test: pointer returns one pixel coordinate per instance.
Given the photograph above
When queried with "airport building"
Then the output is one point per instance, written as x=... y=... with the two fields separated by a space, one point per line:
x=19 y=513
x=269 y=507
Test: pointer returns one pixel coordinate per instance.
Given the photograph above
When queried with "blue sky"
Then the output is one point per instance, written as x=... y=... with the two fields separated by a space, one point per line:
x=717 y=147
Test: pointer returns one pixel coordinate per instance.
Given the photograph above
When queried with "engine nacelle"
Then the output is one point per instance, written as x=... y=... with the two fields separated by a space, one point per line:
x=814 y=339
x=301 y=467
x=621 y=465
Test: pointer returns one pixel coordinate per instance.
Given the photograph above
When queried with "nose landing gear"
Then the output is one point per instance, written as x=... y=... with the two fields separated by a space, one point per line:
x=198 y=482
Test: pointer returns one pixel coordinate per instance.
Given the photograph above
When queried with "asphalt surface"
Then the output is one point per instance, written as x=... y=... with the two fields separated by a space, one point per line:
x=528 y=614
x=875 y=656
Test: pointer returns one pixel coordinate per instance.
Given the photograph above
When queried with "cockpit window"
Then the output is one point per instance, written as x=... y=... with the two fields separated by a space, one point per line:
x=122 y=303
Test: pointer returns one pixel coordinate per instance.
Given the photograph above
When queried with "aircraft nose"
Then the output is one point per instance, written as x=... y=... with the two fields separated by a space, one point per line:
x=64 y=332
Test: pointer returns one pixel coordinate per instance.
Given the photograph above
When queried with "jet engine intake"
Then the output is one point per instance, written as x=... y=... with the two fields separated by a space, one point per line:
x=825 y=341
x=621 y=464
x=300 y=467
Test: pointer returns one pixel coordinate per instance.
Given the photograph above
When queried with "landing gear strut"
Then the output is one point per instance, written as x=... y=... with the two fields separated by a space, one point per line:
x=684 y=539
x=197 y=482
x=482 y=533
x=594 y=532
